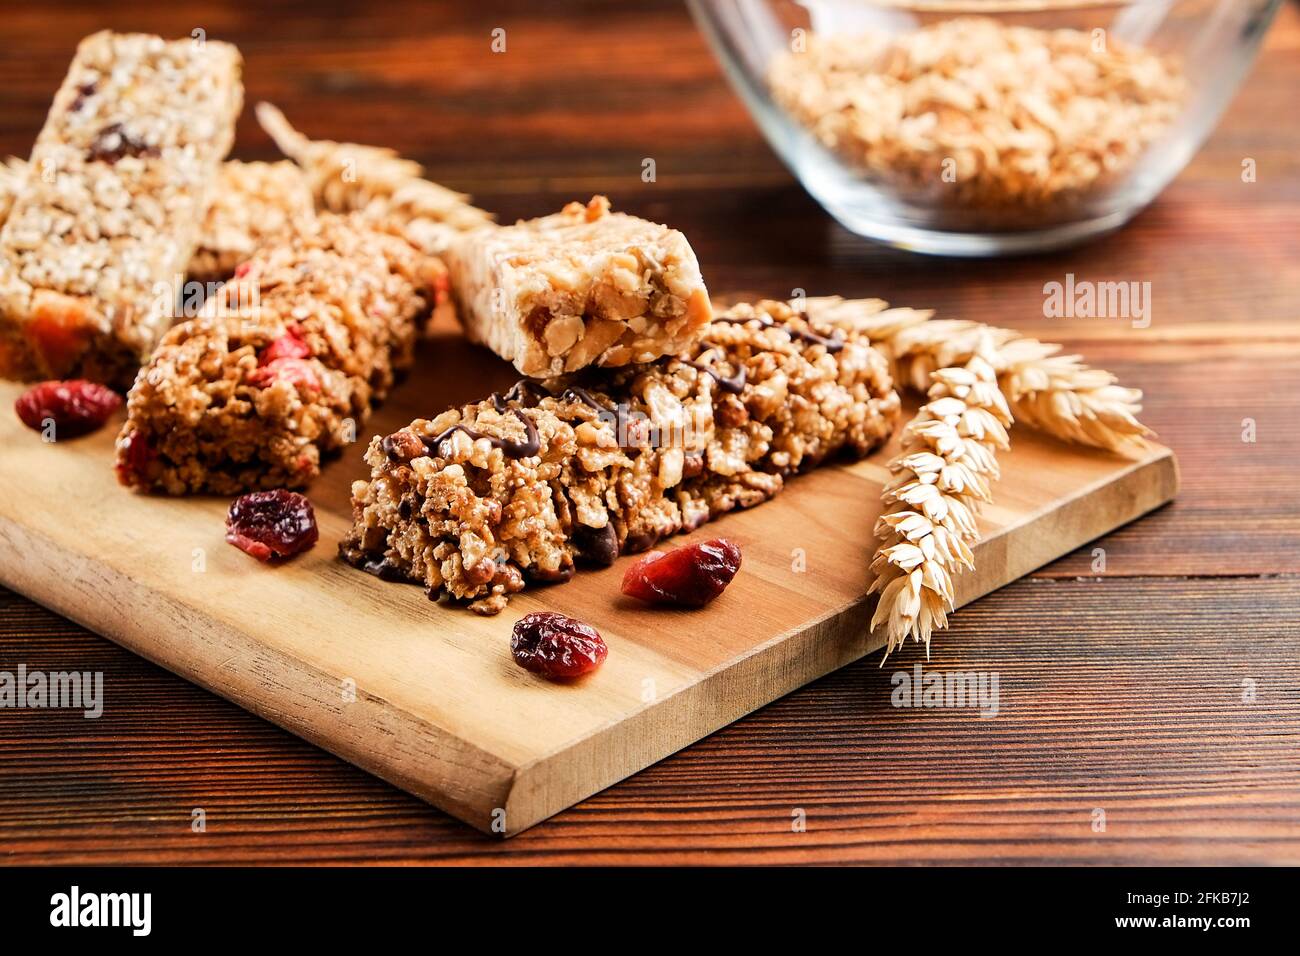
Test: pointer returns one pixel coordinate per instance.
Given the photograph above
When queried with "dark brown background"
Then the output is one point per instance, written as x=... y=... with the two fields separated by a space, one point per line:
x=1120 y=691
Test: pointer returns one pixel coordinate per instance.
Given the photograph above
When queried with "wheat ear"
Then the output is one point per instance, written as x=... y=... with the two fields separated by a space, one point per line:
x=1045 y=390
x=940 y=479
x=384 y=187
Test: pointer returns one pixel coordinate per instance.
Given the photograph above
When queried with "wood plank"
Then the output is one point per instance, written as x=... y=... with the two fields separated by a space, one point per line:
x=1186 y=771
x=1238 y=510
x=1221 y=259
x=440 y=709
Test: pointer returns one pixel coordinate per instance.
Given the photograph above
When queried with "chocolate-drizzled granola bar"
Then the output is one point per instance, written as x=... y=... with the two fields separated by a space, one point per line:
x=110 y=215
x=582 y=287
x=283 y=365
x=477 y=501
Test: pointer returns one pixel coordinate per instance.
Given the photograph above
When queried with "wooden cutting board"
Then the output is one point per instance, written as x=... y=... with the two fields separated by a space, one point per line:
x=426 y=696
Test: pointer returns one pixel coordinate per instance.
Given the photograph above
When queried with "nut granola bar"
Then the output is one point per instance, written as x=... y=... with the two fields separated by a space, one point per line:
x=283 y=365
x=582 y=287
x=478 y=500
x=107 y=221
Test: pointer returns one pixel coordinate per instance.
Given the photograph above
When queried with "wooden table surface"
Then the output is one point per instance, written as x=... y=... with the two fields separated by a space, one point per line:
x=1123 y=691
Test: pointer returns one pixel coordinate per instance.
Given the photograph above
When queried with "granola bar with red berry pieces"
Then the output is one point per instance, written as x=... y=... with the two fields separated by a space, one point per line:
x=478 y=500
x=582 y=287
x=283 y=365
x=104 y=225
x=252 y=204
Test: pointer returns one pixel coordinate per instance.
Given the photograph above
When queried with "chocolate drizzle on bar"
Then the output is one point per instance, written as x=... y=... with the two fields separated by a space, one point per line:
x=525 y=391
x=513 y=449
x=832 y=345
x=732 y=386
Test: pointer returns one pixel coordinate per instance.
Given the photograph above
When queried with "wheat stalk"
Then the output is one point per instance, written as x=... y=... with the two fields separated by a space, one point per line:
x=940 y=479
x=1045 y=390
x=975 y=378
x=390 y=190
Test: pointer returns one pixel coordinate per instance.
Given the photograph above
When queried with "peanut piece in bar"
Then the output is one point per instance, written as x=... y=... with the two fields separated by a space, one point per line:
x=284 y=364
x=479 y=500
x=106 y=222
x=582 y=287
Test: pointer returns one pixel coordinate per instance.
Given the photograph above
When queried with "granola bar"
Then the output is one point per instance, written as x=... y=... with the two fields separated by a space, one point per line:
x=478 y=500
x=283 y=365
x=109 y=216
x=582 y=287
x=13 y=173
x=251 y=203
x=384 y=188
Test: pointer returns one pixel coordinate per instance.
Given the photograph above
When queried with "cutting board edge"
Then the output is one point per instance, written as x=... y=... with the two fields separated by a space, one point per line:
x=1153 y=481
x=532 y=792
x=550 y=784
x=406 y=769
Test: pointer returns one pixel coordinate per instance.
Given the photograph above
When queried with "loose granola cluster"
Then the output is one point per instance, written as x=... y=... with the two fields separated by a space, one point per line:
x=480 y=499
x=120 y=179
x=283 y=365
x=1010 y=123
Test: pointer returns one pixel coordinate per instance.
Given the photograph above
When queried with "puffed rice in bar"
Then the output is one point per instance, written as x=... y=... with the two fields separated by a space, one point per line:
x=108 y=218
x=251 y=203
x=283 y=365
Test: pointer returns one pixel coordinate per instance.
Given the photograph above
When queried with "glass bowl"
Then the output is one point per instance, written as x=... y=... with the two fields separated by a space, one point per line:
x=978 y=128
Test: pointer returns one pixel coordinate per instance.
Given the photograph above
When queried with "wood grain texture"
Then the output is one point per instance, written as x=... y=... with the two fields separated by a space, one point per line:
x=437 y=707
x=1131 y=701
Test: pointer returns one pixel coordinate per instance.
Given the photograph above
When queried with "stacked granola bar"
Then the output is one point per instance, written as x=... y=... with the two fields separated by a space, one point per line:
x=477 y=500
x=96 y=243
x=249 y=204
x=585 y=286
x=283 y=365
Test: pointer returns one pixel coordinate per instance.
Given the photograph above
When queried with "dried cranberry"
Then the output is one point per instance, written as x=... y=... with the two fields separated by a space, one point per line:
x=288 y=345
x=84 y=92
x=271 y=524
x=113 y=142
x=691 y=576
x=76 y=407
x=134 y=455
x=295 y=371
x=556 y=646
